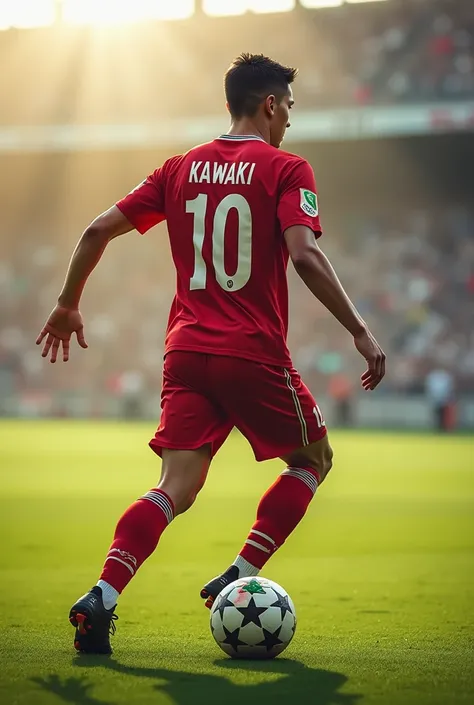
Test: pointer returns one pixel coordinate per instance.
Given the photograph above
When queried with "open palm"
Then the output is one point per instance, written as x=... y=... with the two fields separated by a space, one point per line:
x=58 y=329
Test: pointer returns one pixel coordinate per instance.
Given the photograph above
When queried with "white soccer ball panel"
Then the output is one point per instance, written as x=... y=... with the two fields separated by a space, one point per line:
x=238 y=596
x=271 y=620
x=251 y=634
x=217 y=628
x=232 y=619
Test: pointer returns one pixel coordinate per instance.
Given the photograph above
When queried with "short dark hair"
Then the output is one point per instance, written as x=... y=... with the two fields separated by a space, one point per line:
x=250 y=78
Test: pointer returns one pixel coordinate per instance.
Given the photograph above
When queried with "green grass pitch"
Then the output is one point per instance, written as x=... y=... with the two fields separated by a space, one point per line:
x=381 y=572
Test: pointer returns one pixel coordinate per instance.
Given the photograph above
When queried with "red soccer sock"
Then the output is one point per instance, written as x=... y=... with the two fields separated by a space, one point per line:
x=280 y=510
x=136 y=537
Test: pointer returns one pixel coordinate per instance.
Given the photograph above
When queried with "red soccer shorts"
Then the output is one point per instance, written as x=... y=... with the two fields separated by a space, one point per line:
x=205 y=396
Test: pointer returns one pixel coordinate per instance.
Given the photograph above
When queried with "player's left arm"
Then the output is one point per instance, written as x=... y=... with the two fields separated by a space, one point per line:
x=298 y=214
x=140 y=210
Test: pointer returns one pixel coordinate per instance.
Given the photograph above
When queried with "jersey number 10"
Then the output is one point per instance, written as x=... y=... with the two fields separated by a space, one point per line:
x=198 y=207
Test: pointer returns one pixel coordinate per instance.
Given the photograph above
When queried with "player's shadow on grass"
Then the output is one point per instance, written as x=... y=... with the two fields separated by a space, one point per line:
x=72 y=690
x=296 y=683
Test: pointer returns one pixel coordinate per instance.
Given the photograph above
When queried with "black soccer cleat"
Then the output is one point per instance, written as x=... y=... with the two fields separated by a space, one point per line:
x=94 y=624
x=214 y=587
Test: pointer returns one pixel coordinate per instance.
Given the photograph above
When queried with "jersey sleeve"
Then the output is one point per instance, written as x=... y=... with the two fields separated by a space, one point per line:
x=298 y=200
x=144 y=207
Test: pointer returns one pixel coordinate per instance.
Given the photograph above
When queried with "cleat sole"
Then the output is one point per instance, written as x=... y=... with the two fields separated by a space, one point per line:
x=209 y=602
x=81 y=626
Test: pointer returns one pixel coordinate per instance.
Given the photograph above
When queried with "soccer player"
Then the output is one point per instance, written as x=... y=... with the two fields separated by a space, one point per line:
x=236 y=208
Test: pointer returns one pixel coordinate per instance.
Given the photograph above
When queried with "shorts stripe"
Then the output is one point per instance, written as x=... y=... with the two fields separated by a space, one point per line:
x=299 y=410
x=319 y=417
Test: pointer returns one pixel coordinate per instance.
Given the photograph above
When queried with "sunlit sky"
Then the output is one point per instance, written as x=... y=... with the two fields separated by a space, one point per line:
x=38 y=13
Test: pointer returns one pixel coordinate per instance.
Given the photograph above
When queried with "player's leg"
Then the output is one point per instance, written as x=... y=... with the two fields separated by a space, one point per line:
x=284 y=504
x=190 y=431
x=280 y=419
x=140 y=527
x=136 y=537
x=280 y=510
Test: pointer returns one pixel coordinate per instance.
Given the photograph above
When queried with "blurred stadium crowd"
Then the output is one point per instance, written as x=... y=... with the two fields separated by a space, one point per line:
x=402 y=242
x=412 y=278
x=392 y=52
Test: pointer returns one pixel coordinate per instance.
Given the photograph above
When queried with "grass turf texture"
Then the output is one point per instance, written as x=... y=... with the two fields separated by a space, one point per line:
x=381 y=572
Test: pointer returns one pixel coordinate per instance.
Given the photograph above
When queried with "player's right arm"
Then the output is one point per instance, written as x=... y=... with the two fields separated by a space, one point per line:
x=298 y=215
x=140 y=210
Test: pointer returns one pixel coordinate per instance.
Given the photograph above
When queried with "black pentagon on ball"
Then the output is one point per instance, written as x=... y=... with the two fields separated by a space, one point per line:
x=232 y=638
x=223 y=603
x=270 y=639
x=283 y=602
x=251 y=613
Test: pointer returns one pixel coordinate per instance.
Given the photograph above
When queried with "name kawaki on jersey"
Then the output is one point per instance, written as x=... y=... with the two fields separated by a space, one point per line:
x=216 y=173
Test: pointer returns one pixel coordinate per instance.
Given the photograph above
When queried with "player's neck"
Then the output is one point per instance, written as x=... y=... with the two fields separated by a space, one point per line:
x=245 y=126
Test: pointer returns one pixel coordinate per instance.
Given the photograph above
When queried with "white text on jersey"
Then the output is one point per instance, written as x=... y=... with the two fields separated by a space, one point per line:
x=227 y=173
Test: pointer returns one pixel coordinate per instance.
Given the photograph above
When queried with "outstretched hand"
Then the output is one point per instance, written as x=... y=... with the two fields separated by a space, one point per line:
x=59 y=327
x=371 y=351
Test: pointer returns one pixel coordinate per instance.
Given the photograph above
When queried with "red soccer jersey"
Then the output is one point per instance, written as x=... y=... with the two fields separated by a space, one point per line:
x=227 y=204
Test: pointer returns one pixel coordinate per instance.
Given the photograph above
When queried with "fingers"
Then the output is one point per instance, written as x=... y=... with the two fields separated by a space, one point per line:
x=367 y=380
x=52 y=344
x=65 y=350
x=375 y=371
x=54 y=340
x=368 y=347
x=41 y=336
x=382 y=367
x=54 y=349
x=47 y=345
x=80 y=338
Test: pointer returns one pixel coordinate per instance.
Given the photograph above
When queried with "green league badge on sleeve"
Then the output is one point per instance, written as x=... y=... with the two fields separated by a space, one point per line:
x=309 y=202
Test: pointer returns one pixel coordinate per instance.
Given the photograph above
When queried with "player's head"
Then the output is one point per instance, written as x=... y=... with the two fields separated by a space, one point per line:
x=258 y=87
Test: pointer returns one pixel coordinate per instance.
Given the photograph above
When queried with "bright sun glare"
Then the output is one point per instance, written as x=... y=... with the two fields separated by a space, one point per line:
x=39 y=13
x=124 y=11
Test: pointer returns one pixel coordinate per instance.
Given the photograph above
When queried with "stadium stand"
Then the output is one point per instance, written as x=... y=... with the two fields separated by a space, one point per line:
x=416 y=292
x=400 y=51
x=408 y=266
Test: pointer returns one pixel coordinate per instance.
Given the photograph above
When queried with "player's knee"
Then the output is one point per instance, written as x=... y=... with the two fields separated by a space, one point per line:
x=184 y=497
x=322 y=465
x=318 y=456
x=326 y=462
x=192 y=496
x=184 y=504
x=183 y=476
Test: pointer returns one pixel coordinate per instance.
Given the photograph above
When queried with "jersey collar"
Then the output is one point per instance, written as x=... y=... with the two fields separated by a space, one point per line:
x=240 y=138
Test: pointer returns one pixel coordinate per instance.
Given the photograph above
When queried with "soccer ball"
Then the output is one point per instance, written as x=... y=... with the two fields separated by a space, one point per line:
x=253 y=618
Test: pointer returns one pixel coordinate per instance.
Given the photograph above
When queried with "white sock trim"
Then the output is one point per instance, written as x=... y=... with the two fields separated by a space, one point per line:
x=109 y=594
x=246 y=569
x=307 y=477
x=264 y=536
x=161 y=501
x=114 y=558
x=258 y=545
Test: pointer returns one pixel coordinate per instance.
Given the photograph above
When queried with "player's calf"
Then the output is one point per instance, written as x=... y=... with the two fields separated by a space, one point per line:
x=136 y=537
x=280 y=510
x=184 y=473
